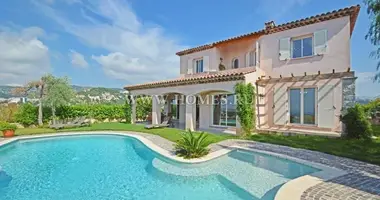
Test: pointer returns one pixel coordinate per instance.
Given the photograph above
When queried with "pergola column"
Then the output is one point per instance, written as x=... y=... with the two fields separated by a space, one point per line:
x=156 y=111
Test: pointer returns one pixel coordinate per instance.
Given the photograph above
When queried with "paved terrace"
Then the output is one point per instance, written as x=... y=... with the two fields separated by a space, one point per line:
x=362 y=182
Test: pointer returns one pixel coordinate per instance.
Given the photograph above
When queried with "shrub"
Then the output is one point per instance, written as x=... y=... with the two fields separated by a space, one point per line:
x=143 y=107
x=27 y=114
x=191 y=146
x=7 y=126
x=357 y=123
x=372 y=108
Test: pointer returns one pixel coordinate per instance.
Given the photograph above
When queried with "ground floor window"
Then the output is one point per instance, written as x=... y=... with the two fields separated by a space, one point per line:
x=302 y=105
x=224 y=110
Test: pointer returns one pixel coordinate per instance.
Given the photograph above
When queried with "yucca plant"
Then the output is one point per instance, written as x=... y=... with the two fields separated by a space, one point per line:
x=192 y=146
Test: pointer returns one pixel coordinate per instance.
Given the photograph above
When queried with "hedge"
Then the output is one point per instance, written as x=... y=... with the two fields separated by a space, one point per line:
x=27 y=113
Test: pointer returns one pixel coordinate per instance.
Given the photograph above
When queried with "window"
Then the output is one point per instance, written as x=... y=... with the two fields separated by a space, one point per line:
x=224 y=110
x=252 y=58
x=302 y=105
x=302 y=47
x=199 y=66
x=235 y=63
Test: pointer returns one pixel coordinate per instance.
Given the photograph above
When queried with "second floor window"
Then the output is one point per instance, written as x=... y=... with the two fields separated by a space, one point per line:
x=199 y=66
x=235 y=63
x=302 y=47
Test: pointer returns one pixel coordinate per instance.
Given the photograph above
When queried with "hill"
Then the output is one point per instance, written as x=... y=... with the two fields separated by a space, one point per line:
x=84 y=94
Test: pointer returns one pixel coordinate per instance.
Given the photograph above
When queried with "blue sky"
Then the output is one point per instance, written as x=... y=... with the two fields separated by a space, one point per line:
x=112 y=43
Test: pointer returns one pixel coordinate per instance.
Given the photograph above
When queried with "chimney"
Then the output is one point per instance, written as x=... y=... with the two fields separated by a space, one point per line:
x=269 y=25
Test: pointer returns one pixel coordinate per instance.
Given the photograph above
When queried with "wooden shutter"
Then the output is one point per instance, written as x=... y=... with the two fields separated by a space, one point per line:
x=284 y=51
x=190 y=67
x=280 y=111
x=206 y=64
x=326 y=108
x=320 y=42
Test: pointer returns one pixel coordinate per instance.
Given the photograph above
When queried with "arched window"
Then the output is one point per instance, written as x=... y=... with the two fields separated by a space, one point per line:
x=235 y=63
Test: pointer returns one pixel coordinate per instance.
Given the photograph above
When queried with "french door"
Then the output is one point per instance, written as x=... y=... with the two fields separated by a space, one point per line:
x=302 y=103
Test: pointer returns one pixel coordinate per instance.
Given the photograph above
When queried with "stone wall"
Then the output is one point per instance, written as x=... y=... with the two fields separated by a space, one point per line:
x=348 y=89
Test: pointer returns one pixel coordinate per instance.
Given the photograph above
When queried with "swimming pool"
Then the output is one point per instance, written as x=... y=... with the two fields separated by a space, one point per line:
x=118 y=167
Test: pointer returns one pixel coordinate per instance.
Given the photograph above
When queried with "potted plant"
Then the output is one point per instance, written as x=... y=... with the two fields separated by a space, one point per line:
x=7 y=129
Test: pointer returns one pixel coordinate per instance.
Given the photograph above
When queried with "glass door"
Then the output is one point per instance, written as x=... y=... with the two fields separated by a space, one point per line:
x=309 y=106
x=224 y=110
x=302 y=106
x=295 y=106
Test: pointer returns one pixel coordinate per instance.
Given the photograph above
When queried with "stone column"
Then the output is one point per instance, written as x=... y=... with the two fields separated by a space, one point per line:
x=182 y=110
x=156 y=111
x=190 y=113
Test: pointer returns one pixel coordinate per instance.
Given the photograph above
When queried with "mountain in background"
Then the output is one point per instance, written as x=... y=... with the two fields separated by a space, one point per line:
x=84 y=94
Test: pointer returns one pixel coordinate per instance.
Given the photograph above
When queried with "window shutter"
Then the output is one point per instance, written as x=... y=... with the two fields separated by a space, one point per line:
x=190 y=66
x=284 y=49
x=247 y=59
x=257 y=63
x=206 y=64
x=320 y=42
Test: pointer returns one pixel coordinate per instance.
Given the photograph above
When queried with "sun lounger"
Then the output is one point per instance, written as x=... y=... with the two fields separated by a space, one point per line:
x=165 y=123
x=77 y=122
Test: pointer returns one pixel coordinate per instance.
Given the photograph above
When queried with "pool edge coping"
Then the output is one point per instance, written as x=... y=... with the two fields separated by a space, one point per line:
x=292 y=189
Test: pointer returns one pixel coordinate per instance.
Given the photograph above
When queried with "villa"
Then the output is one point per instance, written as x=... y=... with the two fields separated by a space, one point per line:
x=301 y=71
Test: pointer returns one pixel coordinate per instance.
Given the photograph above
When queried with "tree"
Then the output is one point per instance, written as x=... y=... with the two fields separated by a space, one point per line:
x=373 y=34
x=38 y=86
x=58 y=92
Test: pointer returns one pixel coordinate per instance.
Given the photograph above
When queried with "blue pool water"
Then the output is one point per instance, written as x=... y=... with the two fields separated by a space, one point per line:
x=117 y=167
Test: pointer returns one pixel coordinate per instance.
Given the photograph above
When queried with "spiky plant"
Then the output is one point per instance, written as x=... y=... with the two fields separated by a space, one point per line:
x=192 y=146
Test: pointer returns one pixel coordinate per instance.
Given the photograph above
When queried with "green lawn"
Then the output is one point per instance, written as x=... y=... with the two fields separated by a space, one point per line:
x=368 y=151
x=168 y=133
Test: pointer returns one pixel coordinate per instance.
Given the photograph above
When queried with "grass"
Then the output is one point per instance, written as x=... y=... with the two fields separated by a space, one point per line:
x=171 y=134
x=364 y=150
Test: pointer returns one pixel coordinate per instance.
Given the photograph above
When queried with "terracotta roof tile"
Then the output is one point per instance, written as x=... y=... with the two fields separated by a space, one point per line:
x=352 y=11
x=206 y=77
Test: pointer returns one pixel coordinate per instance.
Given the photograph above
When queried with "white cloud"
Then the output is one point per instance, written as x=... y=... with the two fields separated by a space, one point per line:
x=23 y=56
x=137 y=53
x=77 y=59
